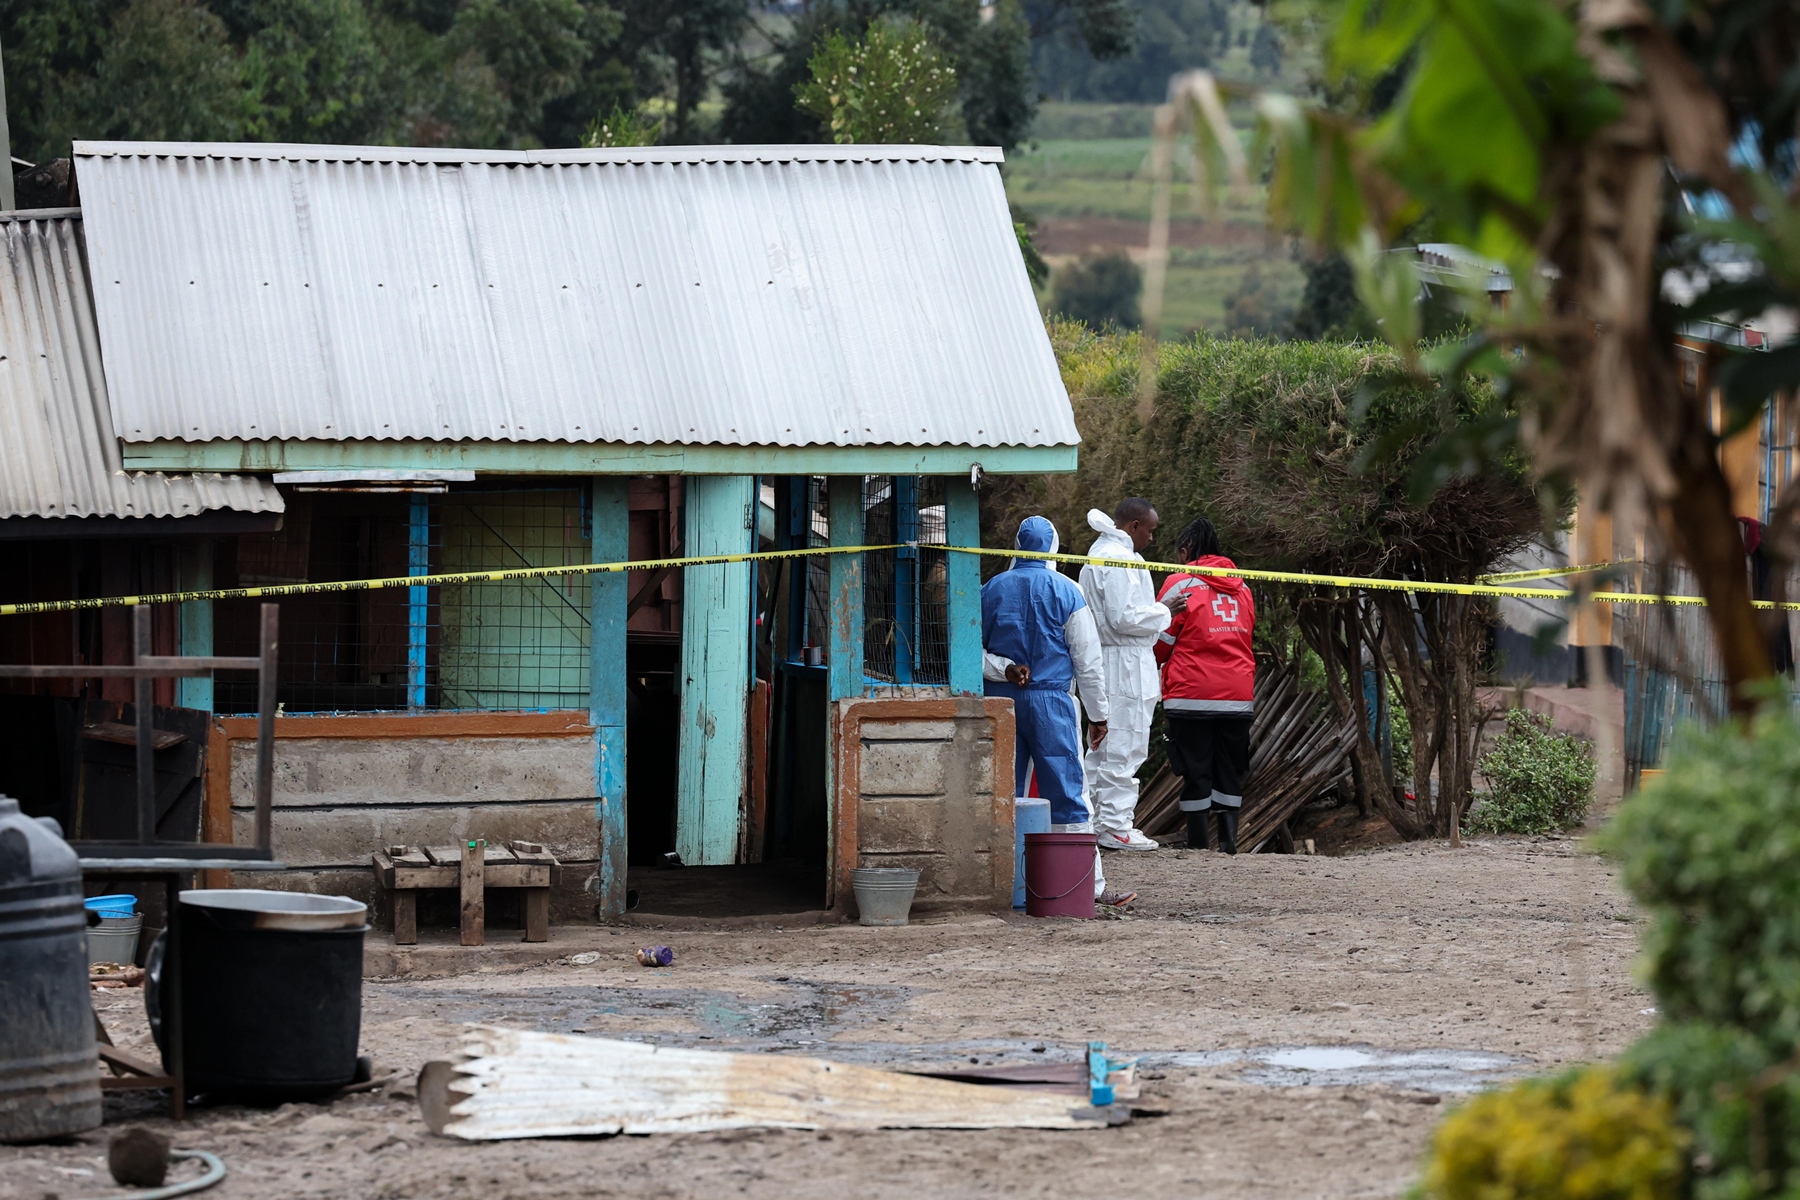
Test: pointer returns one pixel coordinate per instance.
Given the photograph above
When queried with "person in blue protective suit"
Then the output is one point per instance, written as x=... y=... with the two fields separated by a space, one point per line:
x=1041 y=650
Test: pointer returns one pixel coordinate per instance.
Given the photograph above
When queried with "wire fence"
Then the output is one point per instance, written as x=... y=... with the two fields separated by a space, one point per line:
x=1672 y=668
x=906 y=648
x=515 y=644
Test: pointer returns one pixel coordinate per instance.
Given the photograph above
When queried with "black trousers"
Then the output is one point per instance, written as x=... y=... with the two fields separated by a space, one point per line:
x=1212 y=756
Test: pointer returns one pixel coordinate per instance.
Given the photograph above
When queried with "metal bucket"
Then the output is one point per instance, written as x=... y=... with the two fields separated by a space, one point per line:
x=884 y=895
x=49 y=1069
x=115 y=939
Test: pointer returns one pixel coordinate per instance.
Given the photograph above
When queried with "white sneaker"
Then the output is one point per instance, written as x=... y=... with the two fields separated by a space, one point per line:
x=1130 y=839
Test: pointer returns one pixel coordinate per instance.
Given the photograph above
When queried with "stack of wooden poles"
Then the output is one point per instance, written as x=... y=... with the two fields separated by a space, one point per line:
x=1299 y=747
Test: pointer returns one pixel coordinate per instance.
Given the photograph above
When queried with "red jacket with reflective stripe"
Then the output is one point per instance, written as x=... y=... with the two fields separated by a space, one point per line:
x=1208 y=664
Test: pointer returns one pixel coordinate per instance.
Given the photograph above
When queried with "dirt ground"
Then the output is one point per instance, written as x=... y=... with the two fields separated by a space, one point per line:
x=1517 y=948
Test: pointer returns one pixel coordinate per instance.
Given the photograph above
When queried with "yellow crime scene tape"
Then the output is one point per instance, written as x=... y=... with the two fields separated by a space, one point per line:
x=1371 y=583
x=1551 y=572
x=397 y=581
x=1489 y=585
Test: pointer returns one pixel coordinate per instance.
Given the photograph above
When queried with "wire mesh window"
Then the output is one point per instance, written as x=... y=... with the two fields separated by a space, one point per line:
x=517 y=644
x=905 y=621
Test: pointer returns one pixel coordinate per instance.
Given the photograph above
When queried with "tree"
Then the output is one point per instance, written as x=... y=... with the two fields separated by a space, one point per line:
x=1274 y=442
x=1569 y=144
x=890 y=86
x=997 y=94
x=1164 y=36
x=167 y=72
x=1099 y=291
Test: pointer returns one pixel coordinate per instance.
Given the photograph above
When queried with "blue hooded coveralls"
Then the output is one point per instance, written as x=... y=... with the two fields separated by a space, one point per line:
x=1023 y=614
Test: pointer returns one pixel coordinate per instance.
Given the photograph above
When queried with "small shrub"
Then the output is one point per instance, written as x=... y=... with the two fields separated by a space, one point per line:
x=622 y=127
x=1538 y=780
x=893 y=85
x=1586 y=1135
x=1712 y=851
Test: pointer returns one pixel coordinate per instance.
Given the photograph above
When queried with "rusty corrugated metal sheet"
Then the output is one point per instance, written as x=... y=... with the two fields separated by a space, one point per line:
x=814 y=295
x=58 y=454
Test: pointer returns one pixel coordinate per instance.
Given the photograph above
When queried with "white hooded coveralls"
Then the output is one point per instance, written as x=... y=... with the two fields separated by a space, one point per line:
x=1128 y=618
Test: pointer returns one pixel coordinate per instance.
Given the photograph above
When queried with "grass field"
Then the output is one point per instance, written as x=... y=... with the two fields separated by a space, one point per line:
x=1090 y=191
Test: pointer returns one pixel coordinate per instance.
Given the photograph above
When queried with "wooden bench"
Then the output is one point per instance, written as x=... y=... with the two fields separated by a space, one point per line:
x=473 y=867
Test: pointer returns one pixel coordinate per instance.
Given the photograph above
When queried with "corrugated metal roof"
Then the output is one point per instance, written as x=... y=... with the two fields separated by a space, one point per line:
x=58 y=454
x=787 y=295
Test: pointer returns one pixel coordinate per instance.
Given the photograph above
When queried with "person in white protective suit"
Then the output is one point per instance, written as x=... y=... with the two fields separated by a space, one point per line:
x=1128 y=617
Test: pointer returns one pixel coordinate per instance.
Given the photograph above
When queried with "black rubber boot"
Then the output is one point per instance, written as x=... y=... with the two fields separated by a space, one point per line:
x=1196 y=823
x=1228 y=819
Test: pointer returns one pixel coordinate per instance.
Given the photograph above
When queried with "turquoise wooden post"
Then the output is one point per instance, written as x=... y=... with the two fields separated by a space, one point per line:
x=962 y=527
x=844 y=652
x=715 y=669
x=196 y=623
x=607 y=599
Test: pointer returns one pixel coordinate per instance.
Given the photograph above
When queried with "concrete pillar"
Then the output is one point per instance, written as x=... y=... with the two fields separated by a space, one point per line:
x=715 y=669
x=608 y=596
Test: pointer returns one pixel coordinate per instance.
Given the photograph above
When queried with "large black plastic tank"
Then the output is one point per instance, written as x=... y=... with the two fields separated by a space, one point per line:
x=49 y=1069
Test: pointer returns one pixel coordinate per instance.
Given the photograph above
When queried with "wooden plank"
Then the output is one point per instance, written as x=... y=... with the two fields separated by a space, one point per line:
x=426 y=877
x=537 y=914
x=715 y=659
x=474 y=899
x=118 y=734
x=215 y=802
x=514 y=1083
x=558 y=723
x=962 y=527
x=125 y=1060
x=406 y=917
x=444 y=854
x=518 y=875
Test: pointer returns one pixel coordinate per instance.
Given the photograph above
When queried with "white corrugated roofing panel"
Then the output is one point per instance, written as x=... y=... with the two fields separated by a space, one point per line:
x=58 y=454
x=789 y=296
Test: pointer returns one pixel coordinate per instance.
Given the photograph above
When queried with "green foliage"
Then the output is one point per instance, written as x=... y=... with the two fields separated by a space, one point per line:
x=1588 y=1134
x=1712 y=850
x=167 y=71
x=890 y=86
x=461 y=72
x=1100 y=291
x=1266 y=439
x=1539 y=780
x=1024 y=225
x=622 y=127
x=1400 y=730
x=1737 y=1096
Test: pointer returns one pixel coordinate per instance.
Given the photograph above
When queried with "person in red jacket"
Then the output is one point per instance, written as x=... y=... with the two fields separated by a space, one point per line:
x=1208 y=685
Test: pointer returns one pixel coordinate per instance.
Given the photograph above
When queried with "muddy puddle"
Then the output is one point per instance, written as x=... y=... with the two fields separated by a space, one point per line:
x=833 y=1020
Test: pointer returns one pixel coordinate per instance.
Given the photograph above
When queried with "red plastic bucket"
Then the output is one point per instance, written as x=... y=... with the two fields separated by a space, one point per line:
x=1059 y=875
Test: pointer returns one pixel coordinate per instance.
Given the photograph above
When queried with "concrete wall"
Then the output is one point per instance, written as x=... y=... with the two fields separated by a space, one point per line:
x=337 y=800
x=928 y=784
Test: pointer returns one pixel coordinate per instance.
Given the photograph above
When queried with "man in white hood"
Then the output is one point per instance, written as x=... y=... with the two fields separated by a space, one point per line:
x=1123 y=601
